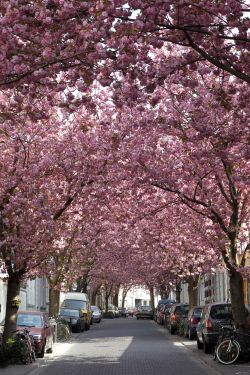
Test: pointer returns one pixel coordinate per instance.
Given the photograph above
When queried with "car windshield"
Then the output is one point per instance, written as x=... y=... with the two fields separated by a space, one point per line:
x=69 y=312
x=29 y=320
x=145 y=308
x=221 y=312
x=182 y=310
x=75 y=304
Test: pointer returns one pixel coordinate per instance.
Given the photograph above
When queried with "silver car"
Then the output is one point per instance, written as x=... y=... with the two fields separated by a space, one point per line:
x=96 y=314
x=144 y=312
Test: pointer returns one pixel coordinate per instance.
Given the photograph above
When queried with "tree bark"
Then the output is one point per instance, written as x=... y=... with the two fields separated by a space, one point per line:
x=237 y=299
x=124 y=295
x=93 y=295
x=13 y=292
x=116 y=298
x=54 y=301
x=178 y=293
x=164 y=292
x=152 y=297
x=106 y=302
x=82 y=284
x=193 y=291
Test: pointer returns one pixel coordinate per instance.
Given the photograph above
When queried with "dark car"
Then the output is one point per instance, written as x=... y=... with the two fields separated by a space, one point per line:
x=74 y=317
x=159 y=311
x=177 y=312
x=214 y=315
x=144 y=312
x=192 y=321
x=123 y=312
x=166 y=314
x=38 y=324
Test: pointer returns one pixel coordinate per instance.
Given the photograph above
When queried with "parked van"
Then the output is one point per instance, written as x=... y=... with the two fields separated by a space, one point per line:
x=76 y=300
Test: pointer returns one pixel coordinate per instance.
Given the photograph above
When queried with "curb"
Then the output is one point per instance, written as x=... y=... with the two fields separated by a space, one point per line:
x=208 y=362
x=19 y=369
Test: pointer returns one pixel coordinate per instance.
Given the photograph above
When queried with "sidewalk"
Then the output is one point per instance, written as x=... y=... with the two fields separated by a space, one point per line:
x=207 y=359
x=190 y=346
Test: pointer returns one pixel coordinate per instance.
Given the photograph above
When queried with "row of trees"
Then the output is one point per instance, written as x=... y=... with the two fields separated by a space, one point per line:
x=124 y=143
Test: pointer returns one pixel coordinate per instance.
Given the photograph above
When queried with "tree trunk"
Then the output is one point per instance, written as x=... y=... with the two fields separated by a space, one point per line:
x=93 y=295
x=54 y=301
x=152 y=297
x=193 y=291
x=164 y=292
x=106 y=302
x=82 y=285
x=116 y=298
x=13 y=293
x=237 y=299
x=178 y=293
x=124 y=295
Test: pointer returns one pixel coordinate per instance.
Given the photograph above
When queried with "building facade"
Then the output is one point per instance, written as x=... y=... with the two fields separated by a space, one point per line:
x=34 y=295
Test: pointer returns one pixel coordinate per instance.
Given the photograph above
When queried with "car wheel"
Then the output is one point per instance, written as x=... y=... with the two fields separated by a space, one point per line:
x=171 y=330
x=78 y=328
x=199 y=344
x=41 y=354
x=50 y=350
x=190 y=335
x=137 y=318
x=206 y=347
x=87 y=326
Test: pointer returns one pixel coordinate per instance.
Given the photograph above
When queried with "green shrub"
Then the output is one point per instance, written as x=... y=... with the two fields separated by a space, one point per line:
x=14 y=351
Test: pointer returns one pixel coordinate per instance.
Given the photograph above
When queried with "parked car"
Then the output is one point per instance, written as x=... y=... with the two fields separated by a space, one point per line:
x=166 y=314
x=177 y=312
x=74 y=317
x=38 y=324
x=75 y=300
x=214 y=315
x=112 y=310
x=130 y=311
x=161 y=313
x=144 y=311
x=123 y=312
x=117 y=312
x=191 y=322
x=158 y=314
x=96 y=314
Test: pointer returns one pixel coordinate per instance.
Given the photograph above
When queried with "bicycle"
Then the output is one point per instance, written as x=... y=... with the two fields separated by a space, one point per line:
x=230 y=345
x=62 y=329
x=25 y=344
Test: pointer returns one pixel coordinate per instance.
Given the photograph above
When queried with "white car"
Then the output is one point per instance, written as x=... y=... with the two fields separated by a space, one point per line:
x=114 y=310
x=96 y=314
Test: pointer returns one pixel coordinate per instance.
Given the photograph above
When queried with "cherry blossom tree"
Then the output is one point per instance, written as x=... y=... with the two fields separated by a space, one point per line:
x=45 y=168
x=193 y=144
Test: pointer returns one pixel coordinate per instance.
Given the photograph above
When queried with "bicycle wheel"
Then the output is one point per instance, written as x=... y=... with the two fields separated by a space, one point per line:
x=63 y=333
x=228 y=351
x=26 y=356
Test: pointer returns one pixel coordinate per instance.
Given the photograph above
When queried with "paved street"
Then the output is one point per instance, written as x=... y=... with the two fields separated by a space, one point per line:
x=127 y=347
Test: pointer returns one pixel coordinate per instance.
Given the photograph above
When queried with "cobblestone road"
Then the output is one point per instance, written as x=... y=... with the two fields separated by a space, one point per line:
x=127 y=347
x=124 y=347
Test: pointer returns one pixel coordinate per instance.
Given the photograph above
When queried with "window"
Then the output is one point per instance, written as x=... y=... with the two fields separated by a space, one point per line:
x=29 y=320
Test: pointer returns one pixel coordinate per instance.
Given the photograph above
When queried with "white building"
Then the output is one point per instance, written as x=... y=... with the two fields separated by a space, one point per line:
x=137 y=296
x=34 y=295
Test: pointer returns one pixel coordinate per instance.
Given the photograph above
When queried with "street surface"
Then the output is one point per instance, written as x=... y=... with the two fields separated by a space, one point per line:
x=127 y=347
